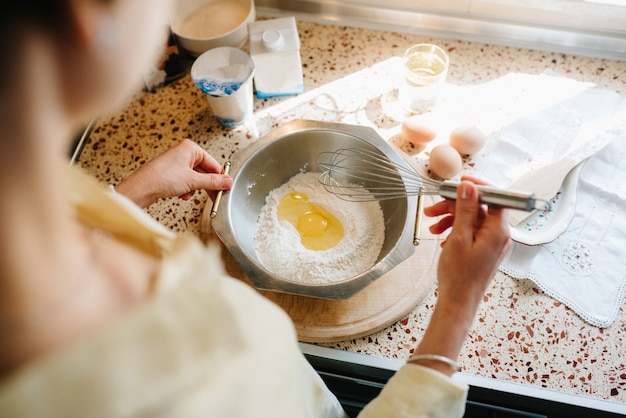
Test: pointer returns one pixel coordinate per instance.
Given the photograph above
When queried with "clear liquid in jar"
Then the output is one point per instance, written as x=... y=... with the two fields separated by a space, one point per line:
x=424 y=64
x=424 y=73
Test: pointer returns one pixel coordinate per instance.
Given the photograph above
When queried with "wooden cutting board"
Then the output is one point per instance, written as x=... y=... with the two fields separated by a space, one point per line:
x=389 y=299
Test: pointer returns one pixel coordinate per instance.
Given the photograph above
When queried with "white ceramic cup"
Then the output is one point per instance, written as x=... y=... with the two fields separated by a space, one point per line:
x=226 y=25
x=225 y=76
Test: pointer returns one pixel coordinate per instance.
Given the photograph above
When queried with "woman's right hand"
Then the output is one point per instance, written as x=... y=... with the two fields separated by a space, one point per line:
x=475 y=247
x=470 y=257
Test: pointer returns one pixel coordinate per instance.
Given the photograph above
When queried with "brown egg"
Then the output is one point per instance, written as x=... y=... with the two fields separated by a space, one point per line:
x=445 y=161
x=467 y=139
x=415 y=132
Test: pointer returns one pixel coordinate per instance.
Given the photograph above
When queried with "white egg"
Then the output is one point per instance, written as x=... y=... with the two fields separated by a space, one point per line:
x=416 y=132
x=467 y=140
x=445 y=161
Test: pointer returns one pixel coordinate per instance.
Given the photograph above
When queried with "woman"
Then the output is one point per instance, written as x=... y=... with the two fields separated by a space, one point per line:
x=104 y=312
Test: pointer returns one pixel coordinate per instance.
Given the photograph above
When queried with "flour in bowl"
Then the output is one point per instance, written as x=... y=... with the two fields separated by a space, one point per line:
x=278 y=243
x=213 y=19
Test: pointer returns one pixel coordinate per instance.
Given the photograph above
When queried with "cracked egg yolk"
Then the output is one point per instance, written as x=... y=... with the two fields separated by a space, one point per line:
x=318 y=229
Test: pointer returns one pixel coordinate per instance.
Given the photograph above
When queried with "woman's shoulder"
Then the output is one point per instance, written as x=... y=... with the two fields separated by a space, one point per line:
x=200 y=321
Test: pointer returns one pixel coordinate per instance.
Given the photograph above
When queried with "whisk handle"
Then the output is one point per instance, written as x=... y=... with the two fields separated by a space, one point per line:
x=494 y=196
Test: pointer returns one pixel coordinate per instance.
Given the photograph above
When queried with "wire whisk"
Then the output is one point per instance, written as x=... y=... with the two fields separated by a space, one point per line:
x=361 y=175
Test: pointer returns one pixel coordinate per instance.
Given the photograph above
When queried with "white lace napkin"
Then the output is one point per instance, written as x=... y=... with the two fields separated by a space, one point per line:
x=585 y=267
x=537 y=118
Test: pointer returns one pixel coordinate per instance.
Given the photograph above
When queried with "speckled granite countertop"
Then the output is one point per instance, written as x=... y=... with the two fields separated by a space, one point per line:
x=520 y=334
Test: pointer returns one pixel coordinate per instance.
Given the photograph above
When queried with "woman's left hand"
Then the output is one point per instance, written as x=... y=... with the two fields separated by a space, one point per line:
x=179 y=171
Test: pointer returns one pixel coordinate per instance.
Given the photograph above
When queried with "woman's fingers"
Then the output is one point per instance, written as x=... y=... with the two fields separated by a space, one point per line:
x=205 y=162
x=443 y=207
x=474 y=180
x=466 y=211
x=442 y=225
x=211 y=183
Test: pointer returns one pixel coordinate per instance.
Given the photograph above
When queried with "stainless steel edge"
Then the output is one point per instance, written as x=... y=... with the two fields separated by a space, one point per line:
x=391 y=365
x=562 y=39
x=80 y=144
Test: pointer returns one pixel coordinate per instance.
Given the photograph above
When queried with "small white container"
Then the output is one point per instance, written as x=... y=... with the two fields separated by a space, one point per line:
x=225 y=75
x=275 y=50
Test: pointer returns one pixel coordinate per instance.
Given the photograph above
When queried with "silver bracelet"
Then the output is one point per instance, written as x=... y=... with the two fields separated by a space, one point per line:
x=435 y=357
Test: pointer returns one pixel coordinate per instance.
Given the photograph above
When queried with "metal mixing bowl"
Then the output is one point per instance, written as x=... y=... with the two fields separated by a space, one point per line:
x=269 y=163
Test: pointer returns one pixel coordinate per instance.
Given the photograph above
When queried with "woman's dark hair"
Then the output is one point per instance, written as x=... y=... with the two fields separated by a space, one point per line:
x=46 y=14
x=16 y=16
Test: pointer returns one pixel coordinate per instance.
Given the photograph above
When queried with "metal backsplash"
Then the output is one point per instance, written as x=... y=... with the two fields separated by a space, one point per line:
x=375 y=15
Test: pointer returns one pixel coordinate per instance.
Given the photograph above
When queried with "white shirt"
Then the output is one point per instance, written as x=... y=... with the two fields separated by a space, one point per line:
x=204 y=345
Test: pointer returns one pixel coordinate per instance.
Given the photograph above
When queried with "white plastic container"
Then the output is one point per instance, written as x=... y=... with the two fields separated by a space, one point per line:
x=225 y=75
x=275 y=50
